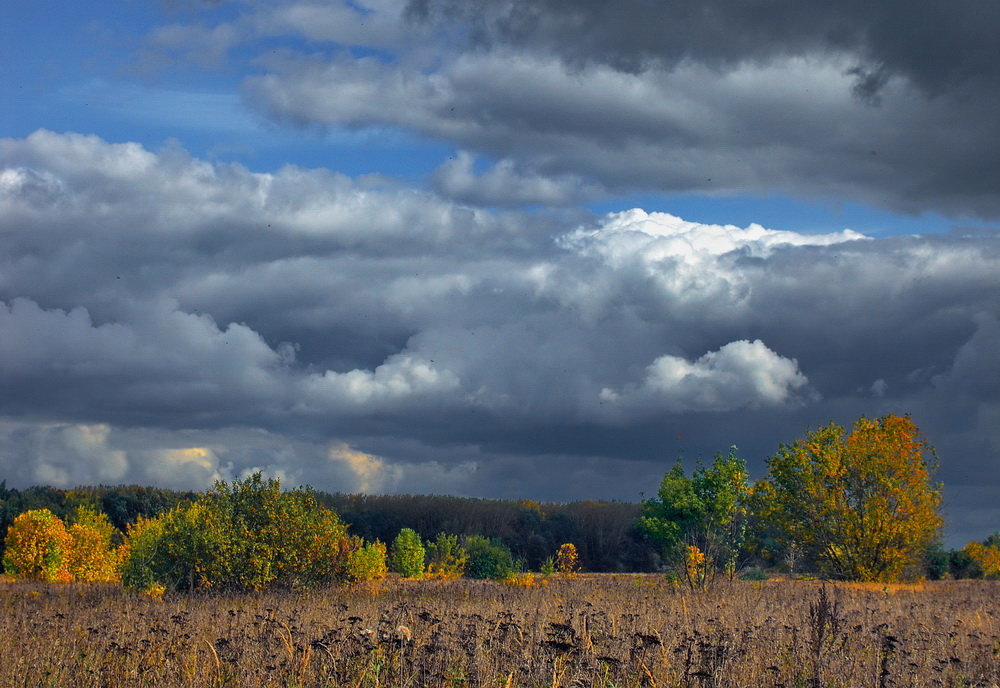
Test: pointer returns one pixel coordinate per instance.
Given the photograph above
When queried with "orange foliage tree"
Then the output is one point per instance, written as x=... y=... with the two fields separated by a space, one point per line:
x=37 y=547
x=862 y=504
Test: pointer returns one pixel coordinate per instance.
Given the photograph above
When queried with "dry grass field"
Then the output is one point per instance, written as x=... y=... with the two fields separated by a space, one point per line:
x=599 y=630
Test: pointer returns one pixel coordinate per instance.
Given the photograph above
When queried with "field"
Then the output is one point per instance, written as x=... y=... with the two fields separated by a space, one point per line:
x=598 y=630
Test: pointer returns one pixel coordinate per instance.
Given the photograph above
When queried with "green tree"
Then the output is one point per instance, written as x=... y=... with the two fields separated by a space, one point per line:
x=861 y=504
x=406 y=556
x=706 y=511
x=488 y=558
x=365 y=562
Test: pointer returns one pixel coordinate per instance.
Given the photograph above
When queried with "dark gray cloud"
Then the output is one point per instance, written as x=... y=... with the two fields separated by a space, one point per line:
x=168 y=320
x=885 y=103
x=939 y=47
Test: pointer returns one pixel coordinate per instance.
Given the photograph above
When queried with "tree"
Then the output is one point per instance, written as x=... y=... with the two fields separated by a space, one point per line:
x=862 y=505
x=488 y=558
x=446 y=558
x=985 y=556
x=567 y=561
x=37 y=547
x=406 y=556
x=92 y=555
x=243 y=535
x=365 y=561
x=706 y=512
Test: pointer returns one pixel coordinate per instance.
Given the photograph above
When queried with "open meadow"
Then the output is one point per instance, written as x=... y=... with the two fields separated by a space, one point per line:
x=591 y=630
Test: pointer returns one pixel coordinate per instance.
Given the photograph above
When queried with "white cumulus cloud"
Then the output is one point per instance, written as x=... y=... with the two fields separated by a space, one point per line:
x=741 y=374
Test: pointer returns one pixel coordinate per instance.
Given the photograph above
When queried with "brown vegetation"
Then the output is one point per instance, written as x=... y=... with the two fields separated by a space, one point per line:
x=627 y=630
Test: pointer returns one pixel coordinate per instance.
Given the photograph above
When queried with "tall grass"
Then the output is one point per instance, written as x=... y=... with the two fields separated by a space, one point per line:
x=588 y=631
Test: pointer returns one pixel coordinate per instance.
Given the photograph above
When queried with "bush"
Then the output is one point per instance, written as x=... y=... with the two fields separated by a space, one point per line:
x=488 y=559
x=407 y=554
x=140 y=554
x=244 y=535
x=446 y=557
x=754 y=573
x=366 y=562
x=567 y=560
x=37 y=547
x=93 y=555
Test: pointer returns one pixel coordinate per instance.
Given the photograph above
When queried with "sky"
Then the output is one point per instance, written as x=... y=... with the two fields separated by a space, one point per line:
x=494 y=248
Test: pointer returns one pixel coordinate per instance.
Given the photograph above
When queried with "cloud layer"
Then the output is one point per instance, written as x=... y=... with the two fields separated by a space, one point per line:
x=169 y=320
x=889 y=104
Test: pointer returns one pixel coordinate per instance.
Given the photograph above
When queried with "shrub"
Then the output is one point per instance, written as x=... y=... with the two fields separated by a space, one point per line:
x=446 y=557
x=754 y=573
x=92 y=556
x=548 y=566
x=696 y=570
x=985 y=557
x=244 y=535
x=488 y=558
x=567 y=560
x=407 y=554
x=521 y=580
x=366 y=562
x=37 y=546
x=140 y=554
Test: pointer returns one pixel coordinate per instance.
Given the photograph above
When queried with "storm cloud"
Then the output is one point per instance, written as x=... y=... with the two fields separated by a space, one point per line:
x=478 y=308
x=882 y=103
x=170 y=320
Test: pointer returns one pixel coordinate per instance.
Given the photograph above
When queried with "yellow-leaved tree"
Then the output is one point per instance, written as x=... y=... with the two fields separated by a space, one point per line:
x=567 y=559
x=861 y=505
x=92 y=555
x=986 y=556
x=37 y=547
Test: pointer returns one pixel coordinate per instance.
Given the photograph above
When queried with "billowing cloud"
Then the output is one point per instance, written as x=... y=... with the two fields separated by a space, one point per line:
x=738 y=375
x=168 y=320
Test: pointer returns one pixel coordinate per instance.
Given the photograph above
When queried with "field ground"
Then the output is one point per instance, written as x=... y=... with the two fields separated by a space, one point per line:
x=594 y=630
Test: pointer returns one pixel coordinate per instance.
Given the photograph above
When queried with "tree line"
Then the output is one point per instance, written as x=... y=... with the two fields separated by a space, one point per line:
x=857 y=504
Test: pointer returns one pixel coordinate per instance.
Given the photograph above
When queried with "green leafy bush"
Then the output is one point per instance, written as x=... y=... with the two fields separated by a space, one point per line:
x=366 y=562
x=243 y=535
x=407 y=554
x=488 y=558
x=446 y=558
